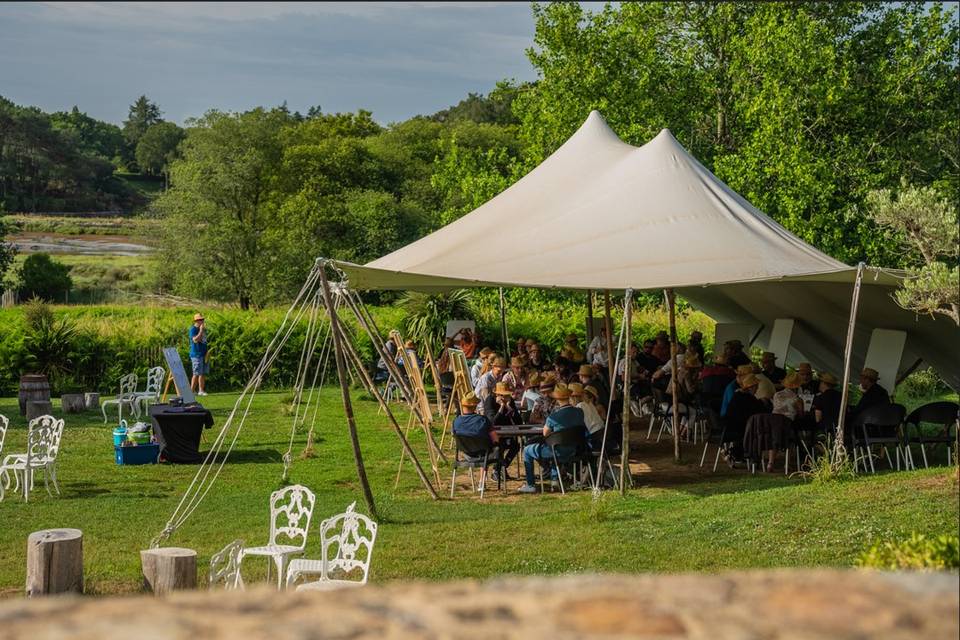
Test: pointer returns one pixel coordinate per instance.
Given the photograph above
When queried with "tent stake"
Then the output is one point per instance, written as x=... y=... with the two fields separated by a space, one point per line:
x=627 y=371
x=675 y=373
x=839 y=448
x=606 y=325
x=503 y=326
x=345 y=392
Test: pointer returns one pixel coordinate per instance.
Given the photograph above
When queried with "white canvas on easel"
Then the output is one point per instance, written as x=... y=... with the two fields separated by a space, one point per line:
x=884 y=355
x=779 y=342
x=178 y=375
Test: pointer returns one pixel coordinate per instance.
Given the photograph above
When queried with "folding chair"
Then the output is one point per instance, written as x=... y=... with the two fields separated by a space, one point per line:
x=878 y=425
x=478 y=452
x=942 y=414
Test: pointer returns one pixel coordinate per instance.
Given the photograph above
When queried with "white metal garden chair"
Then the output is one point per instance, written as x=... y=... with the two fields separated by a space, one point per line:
x=127 y=397
x=4 y=423
x=151 y=394
x=43 y=445
x=291 y=509
x=225 y=567
x=346 y=548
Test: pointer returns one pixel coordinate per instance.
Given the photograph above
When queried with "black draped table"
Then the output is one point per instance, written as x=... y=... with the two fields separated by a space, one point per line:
x=178 y=431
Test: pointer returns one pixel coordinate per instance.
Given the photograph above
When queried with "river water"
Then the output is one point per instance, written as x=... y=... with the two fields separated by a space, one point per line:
x=94 y=245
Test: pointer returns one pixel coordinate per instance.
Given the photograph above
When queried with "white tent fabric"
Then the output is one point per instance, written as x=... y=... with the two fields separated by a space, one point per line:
x=603 y=214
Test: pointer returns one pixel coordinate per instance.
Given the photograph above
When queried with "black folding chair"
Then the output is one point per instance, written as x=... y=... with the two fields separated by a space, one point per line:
x=475 y=452
x=941 y=414
x=878 y=425
x=717 y=435
x=614 y=437
x=575 y=439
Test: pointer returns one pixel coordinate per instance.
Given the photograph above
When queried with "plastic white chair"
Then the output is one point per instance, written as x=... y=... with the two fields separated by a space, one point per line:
x=43 y=445
x=291 y=509
x=353 y=535
x=127 y=396
x=225 y=567
x=151 y=394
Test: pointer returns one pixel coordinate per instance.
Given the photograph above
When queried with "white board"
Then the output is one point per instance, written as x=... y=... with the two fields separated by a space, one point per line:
x=175 y=365
x=884 y=355
x=455 y=325
x=779 y=342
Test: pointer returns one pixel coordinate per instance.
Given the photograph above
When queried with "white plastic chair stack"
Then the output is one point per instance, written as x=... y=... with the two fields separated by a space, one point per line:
x=291 y=509
x=346 y=545
x=126 y=397
x=43 y=445
x=152 y=393
x=225 y=567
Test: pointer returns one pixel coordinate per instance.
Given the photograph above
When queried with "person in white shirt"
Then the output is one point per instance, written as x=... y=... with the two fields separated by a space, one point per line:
x=477 y=369
x=585 y=399
x=597 y=351
x=488 y=381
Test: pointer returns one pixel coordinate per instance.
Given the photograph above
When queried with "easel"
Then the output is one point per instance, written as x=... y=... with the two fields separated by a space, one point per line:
x=420 y=405
x=435 y=372
x=166 y=387
x=461 y=387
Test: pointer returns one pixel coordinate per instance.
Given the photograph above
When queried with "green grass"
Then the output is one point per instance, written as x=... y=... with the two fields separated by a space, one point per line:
x=678 y=518
x=102 y=278
x=77 y=226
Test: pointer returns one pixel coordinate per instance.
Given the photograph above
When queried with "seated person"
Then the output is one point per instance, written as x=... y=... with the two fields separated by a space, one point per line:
x=661 y=348
x=571 y=350
x=807 y=383
x=742 y=371
x=714 y=378
x=500 y=410
x=826 y=404
x=477 y=369
x=564 y=416
x=639 y=376
x=544 y=404
x=786 y=402
x=562 y=370
x=733 y=350
x=467 y=342
x=743 y=405
x=597 y=351
x=766 y=388
x=521 y=348
x=536 y=359
x=471 y=423
x=695 y=343
x=645 y=358
x=516 y=377
x=532 y=392
x=587 y=375
x=488 y=381
x=769 y=368
x=586 y=401
x=444 y=364
x=873 y=393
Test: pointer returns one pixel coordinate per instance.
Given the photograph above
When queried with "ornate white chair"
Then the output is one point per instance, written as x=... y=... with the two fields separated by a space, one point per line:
x=127 y=397
x=291 y=509
x=346 y=547
x=4 y=423
x=152 y=393
x=43 y=445
x=225 y=567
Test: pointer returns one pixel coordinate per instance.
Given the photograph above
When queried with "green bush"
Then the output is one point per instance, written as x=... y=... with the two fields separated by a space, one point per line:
x=43 y=277
x=917 y=552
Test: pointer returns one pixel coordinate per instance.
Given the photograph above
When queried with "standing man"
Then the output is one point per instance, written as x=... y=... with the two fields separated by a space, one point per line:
x=198 y=355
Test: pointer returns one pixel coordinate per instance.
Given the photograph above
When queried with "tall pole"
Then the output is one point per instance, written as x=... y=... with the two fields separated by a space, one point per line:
x=345 y=392
x=839 y=448
x=589 y=316
x=675 y=375
x=503 y=326
x=627 y=372
x=606 y=325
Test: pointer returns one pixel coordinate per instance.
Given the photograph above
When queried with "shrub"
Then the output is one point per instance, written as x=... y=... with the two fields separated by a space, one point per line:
x=43 y=277
x=916 y=553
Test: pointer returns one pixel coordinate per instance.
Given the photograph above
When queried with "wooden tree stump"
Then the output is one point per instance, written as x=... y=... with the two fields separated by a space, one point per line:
x=73 y=403
x=169 y=569
x=91 y=401
x=37 y=408
x=54 y=562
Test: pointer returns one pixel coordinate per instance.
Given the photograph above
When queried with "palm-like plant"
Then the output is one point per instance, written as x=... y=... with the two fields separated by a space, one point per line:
x=427 y=314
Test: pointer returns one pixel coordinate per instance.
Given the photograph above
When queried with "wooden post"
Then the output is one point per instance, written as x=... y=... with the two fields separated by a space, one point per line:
x=607 y=325
x=345 y=392
x=72 y=403
x=627 y=372
x=372 y=388
x=675 y=375
x=54 y=562
x=435 y=372
x=503 y=326
x=839 y=447
x=167 y=569
x=589 y=316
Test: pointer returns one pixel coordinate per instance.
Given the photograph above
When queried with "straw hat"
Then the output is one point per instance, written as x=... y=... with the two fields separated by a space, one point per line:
x=560 y=393
x=744 y=369
x=197 y=316
x=503 y=389
x=530 y=342
x=485 y=352
x=829 y=378
x=792 y=381
x=585 y=370
x=499 y=362
x=592 y=391
x=870 y=374
x=575 y=388
x=547 y=381
x=516 y=361
x=469 y=400
x=748 y=381
x=409 y=345
x=533 y=379
x=804 y=367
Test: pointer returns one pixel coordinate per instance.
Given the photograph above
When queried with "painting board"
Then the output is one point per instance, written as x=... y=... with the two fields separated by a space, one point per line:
x=779 y=342
x=884 y=355
x=455 y=325
x=175 y=366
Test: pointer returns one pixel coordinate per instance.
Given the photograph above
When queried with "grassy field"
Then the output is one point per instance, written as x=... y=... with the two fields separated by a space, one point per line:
x=678 y=518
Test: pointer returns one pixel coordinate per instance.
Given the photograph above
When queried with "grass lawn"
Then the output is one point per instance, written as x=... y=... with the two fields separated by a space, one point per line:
x=678 y=518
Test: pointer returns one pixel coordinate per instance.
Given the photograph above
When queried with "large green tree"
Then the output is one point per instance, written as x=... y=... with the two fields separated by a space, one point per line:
x=158 y=148
x=142 y=115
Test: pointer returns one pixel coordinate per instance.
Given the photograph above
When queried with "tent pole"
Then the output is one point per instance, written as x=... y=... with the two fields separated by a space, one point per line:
x=372 y=388
x=589 y=316
x=675 y=372
x=848 y=349
x=503 y=326
x=345 y=392
x=607 y=327
x=627 y=372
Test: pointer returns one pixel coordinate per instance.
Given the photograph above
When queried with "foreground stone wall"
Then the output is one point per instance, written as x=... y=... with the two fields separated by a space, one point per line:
x=763 y=605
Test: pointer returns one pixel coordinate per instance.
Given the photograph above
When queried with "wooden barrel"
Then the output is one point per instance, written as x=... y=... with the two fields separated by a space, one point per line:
x=33 y=387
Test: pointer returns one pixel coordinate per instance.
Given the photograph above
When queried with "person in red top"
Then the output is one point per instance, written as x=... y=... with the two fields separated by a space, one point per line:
x=468 y=342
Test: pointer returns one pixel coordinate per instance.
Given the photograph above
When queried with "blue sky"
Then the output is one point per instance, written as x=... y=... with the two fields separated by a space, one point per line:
x=396 y=59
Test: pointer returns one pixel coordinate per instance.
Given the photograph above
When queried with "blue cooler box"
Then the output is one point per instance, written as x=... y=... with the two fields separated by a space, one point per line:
x=140 y=454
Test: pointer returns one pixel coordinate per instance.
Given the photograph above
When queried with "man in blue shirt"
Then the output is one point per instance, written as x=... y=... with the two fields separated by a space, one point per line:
x=564 y=416
x=198 y=355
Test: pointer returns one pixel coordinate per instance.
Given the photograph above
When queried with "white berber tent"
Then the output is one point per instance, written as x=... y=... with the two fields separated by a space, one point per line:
x=604 y=215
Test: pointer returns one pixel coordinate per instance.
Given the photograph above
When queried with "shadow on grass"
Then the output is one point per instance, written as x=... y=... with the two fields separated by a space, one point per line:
x=248 y=456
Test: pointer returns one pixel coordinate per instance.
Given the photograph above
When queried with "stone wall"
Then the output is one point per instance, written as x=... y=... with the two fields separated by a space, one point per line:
x=758 y=605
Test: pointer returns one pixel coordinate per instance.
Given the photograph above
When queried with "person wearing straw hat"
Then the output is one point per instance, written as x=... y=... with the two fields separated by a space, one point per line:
x=476 y=370
x=741 y=371
x=743 y=405
x=769 y=368
x=571 y=350
x=500 y=409
x=544 y=404
x=587 y=375
x=826 y=404
x=198 y=355
x=516 y=376
x=873 y=393
x=488 y=381
x=563 y=417
x=471 y=423
x=587 y=402
x=535 y=358
x=807 y=383
x=786 y=402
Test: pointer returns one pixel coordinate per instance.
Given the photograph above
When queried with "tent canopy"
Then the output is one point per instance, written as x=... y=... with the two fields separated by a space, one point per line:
x=602 y=214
